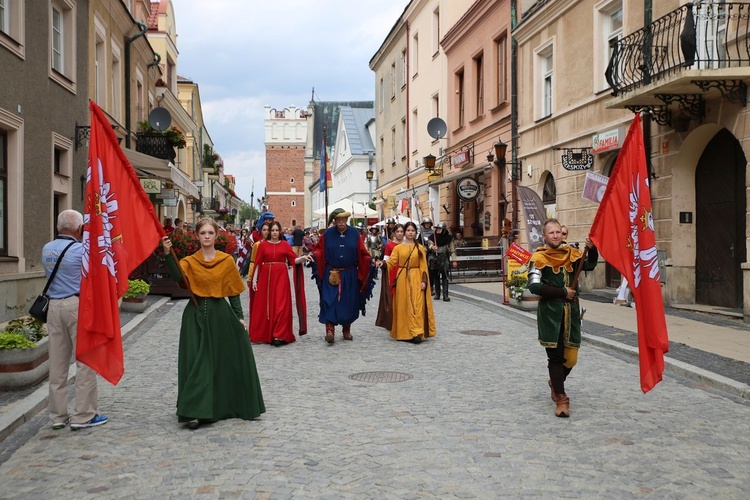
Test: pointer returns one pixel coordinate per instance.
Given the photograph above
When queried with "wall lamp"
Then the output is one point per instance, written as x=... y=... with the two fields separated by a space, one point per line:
x=433 y=167
x=500 y=150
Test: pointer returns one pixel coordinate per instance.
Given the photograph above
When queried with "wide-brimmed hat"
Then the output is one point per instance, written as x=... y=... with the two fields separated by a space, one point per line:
x=339 y=212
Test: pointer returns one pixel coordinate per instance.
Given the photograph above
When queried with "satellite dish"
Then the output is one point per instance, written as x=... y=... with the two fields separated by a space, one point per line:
x=437 y=128
x=159 y=119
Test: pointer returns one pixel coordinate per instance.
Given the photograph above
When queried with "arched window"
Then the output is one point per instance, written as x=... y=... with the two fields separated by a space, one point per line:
x=549 y=195
x=294 y=203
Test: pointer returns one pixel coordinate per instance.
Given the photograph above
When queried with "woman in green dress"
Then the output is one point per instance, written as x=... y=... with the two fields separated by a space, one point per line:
x=216 y=374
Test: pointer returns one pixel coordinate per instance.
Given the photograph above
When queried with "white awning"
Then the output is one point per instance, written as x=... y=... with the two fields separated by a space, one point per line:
x=163 y=169
x=460 y=174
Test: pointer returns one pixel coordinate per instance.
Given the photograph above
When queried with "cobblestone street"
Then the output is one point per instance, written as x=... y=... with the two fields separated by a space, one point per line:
x=472 y=419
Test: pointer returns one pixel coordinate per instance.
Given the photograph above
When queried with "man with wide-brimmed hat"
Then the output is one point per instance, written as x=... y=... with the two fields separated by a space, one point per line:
x=345 y=275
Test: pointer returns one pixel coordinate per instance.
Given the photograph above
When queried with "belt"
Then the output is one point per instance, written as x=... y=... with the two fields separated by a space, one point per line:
x=63 y=298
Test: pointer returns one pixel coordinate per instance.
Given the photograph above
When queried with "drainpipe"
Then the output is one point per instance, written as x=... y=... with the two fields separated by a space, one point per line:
x=513 y=127
x=408 y=112
x=647 y=16
x=128 y=41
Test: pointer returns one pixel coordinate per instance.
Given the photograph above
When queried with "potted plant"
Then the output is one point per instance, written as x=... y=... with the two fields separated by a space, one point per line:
x=518 y=290
x=134 y=299
x=24 y=358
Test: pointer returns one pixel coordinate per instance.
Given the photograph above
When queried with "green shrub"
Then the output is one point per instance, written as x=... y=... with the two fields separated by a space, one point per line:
x=27 y=327
x=137 y=288
x=15 y=341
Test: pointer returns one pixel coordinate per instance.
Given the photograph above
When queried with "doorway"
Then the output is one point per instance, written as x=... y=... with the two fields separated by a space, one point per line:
x=720 y=204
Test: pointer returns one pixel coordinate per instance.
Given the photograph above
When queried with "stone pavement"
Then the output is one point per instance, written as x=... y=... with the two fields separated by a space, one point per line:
x=464 y=415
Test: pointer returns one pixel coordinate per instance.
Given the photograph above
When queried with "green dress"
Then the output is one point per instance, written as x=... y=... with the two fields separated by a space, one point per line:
x=216 y=373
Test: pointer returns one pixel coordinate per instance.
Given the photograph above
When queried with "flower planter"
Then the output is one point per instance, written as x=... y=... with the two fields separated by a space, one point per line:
x=527 y=302
x=24 y=368
x=134 y=304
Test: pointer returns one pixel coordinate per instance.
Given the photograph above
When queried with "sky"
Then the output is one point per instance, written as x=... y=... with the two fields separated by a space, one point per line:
x=246 y=54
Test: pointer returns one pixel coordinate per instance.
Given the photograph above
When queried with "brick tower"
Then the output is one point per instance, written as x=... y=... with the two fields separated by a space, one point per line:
x=286 y=136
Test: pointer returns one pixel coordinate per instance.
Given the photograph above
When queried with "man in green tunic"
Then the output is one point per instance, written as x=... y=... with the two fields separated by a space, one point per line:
x=551 y=273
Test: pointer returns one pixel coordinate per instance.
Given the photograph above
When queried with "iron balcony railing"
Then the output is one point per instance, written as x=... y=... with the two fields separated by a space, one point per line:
x=210 y=205
x=156 y=145
x=697 y=36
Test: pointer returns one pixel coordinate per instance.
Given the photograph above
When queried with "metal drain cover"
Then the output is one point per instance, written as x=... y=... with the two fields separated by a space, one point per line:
x=479 y=333
x=380 y=377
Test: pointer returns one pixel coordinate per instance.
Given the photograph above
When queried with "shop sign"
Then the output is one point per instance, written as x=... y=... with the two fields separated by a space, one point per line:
x=169 y=202
x=518 y=253
x=151 y=186
x=608 y=140
x=460 y=159
x=467 y=189
x=594 y=187
x=166 y=193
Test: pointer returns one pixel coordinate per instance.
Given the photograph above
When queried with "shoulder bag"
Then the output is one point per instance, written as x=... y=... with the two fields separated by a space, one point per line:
x=40 y=306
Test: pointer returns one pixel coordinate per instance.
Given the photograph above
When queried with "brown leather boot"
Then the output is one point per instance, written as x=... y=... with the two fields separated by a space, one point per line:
x=563 y=406
x=552 y=390
x=329 y=333
x=348 y=332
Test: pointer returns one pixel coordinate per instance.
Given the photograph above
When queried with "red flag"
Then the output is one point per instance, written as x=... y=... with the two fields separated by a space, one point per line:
x=623 y=231
x=120 y=230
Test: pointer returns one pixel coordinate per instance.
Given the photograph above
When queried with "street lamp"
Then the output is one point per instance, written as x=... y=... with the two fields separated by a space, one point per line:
x=501 y=149
x=370 y=175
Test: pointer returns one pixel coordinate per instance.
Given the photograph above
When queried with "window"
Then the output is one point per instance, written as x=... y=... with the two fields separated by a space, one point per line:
x=608 y=32
x=403 y=138
x=3 y=192
x=414 y=131
x=294 y=203
x=382 y=94
x=436 y=105
x=415 y=55
x=460 y=98
x=393 y=80
x=403 y=68
x=12 y=19
x=117 y=82
x=100 y=79
x=11 y=184
x=501 y=49
x=479 y=70
x=435 y=32
x=58 y=41
x=544 y=81
x=5 y=16
x=393 y=145
x=291 y=180
x=382 y=148
x=63 y=43
x=549 y=197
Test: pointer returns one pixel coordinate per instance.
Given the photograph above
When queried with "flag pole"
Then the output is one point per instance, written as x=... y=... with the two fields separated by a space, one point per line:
x=574 y=284
x=184 y=282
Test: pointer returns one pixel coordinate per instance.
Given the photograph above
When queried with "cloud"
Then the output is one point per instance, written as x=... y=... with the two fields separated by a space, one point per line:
x=244 y=55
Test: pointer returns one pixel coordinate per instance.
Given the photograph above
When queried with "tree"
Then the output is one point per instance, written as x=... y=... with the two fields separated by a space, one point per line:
x=248 y=212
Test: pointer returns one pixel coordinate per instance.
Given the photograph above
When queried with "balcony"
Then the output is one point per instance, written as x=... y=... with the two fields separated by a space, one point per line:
x=156 y=145
x=682 y=57
x=209 y=205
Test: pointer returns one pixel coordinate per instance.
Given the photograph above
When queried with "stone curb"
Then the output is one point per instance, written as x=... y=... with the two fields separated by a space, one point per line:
x=29 y=406
x=694 y=373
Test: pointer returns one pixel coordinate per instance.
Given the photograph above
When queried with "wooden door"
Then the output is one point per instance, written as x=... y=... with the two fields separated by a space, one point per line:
x=720 y=222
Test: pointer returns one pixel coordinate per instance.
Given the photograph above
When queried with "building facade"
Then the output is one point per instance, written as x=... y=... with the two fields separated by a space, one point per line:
x=285 y=141
x=44 y=82
x=579 y=84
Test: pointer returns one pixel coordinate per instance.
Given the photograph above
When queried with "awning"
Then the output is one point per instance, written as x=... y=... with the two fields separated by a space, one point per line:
x=460 y=174
x=164 y=170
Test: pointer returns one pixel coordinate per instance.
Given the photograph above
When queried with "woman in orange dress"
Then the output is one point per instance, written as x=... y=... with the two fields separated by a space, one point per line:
x=413 y=316
x=271 y=318
x=385 y=306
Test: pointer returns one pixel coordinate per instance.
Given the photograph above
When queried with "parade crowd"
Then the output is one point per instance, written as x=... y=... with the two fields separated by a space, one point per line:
x=217 y=376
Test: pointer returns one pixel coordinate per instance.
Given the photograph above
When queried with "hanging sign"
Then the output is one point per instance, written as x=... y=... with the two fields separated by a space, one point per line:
x=460 y=159
x=467 y=189
x=151 y=186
